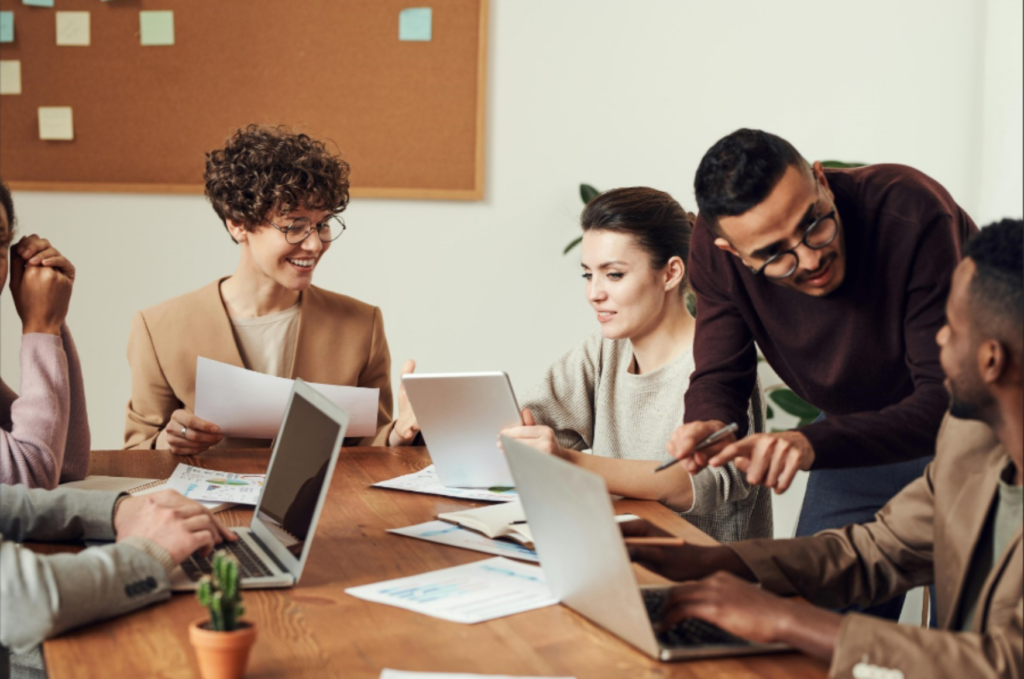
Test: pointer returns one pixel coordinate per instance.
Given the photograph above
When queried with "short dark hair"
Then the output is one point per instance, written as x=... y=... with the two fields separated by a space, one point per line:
x=272 y=168
x=997 y=289
x=8 y=205
x=661 y=226
x=739 y=172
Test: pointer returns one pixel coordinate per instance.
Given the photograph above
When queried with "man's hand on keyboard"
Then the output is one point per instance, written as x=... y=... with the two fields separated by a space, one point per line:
x=175 y=523
x=744 y=609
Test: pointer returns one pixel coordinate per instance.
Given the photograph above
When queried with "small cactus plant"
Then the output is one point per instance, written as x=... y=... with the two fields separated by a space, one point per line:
x=221 y=595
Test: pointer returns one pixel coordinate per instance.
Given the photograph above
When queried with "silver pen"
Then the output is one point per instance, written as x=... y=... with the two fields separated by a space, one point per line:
x=724 y=431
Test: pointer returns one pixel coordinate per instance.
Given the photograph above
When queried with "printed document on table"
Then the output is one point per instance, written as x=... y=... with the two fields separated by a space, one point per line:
x=207 y=485
x=248 y=404
x=469 y=594
x=401 y=674
x=446 y=533
x=426 y=481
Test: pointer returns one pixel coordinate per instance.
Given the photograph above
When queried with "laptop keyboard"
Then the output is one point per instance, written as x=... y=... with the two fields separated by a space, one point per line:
x=688 y=633
x=249 y=565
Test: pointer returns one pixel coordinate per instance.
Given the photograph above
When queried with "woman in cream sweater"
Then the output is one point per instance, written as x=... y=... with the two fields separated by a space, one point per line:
x=279 y=195
x=619 y=394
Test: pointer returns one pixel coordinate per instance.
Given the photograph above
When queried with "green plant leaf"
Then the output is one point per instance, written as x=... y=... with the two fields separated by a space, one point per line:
x=771 y=413
x=841 y=164
x=588 y=193
x=794 y=405
x=570 y=246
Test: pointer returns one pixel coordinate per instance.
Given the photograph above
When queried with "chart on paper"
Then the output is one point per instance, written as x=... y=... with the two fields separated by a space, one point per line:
x=472 y=593
x=426 y=481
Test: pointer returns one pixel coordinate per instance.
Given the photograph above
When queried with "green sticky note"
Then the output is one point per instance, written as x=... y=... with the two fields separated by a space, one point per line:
x=6 y=26
x=38 y=3
x=156 y=28
x=415 y=24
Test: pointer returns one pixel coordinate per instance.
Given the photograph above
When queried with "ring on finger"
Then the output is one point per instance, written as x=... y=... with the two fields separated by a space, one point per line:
x=184 y=432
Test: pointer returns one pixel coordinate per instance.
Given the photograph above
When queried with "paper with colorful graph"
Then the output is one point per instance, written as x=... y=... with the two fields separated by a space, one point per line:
x=209 y=485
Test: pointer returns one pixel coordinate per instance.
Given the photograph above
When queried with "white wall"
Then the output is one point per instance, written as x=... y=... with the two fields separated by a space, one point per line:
x=613 y=93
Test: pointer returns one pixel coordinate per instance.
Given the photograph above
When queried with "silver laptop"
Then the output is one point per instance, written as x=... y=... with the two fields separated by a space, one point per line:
x=586 y=564
x=460 y=415
x=272 y=551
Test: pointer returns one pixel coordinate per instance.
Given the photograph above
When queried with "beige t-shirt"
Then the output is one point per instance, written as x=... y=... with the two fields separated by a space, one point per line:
x=267 y=343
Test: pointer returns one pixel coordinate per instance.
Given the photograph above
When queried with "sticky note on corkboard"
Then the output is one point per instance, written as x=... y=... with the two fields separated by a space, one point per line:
x=6 y=26
x=415 y=24
x=55 y=122
x=156 y=28
x=10 y=77
x=73 y=29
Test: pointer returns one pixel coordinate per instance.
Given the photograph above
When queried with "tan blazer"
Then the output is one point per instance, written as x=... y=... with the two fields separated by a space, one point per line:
x=341 y=341
x=926 y=534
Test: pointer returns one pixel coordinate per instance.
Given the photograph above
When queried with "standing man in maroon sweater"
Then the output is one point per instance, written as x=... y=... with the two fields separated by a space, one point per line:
x=840 y=277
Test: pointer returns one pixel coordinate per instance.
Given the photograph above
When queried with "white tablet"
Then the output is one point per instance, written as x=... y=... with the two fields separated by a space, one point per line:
x=460 y=415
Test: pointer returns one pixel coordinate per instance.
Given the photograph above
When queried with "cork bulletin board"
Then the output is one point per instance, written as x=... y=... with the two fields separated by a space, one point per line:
x=407 y=114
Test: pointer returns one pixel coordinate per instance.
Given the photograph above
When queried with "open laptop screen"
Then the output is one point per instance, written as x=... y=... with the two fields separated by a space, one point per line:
x=298 y=473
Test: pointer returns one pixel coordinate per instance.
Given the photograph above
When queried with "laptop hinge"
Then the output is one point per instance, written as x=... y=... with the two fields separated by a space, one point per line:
x=266 y=550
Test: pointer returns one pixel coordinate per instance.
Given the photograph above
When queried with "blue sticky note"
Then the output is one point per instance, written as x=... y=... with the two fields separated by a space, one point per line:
x=6 y=26
x=156 y=28
x=415 y=24
x=38 y=3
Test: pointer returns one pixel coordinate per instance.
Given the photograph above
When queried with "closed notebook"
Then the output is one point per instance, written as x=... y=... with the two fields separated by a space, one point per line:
x=506 y=520
x=133 y=486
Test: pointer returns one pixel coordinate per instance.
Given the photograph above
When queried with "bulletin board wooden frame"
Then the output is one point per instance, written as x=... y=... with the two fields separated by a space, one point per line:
x=408 y=116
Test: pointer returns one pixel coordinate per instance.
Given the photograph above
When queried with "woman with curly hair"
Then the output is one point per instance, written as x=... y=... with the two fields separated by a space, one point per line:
x=280 y=195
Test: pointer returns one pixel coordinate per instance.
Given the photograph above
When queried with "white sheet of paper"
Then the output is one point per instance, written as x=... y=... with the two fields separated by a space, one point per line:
x=10 y=76
x=446 y=533
x=73 y=28
x=55 y=122
x=469 y=594
x=209 y=485
x=402 y=674
x=248 y=404
x=426 y=481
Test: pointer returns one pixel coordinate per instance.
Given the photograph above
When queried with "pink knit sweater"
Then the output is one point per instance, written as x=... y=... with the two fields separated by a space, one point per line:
x=44 y=433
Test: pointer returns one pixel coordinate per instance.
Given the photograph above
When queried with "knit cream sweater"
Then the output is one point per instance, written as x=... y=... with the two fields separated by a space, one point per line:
x=592 y=401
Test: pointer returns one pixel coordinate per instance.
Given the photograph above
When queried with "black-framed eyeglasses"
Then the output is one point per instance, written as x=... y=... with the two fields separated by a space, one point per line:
x=820 y=234
x=329 y=230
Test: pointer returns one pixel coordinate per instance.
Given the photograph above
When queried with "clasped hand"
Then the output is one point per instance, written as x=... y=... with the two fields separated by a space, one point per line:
x=41 y=283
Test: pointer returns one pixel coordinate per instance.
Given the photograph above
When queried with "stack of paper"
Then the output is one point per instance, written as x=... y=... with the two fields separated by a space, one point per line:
x=426 y=481
x=473 y=593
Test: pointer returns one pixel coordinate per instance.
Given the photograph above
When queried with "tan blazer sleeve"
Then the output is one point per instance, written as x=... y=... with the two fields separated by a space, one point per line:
x=861 y=564
x=919 y=652
x=152 y=399
x=377 y=375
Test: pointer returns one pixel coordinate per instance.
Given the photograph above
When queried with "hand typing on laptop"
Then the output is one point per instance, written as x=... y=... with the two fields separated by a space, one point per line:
x=716 y=586
x=171 y=521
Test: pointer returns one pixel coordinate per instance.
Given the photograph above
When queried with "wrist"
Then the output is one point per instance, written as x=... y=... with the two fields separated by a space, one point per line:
x=31 y=327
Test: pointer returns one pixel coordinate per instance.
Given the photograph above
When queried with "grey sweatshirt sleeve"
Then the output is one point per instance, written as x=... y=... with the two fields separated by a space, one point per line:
x=564 y=399
x=44 y=595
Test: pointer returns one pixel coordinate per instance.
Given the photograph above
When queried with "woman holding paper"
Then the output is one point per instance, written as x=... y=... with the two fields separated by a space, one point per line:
x=279 y=195
x=620 y=392
x=44 y=432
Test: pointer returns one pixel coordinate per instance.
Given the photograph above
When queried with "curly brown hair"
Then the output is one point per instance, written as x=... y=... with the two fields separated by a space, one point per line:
x=263 y=169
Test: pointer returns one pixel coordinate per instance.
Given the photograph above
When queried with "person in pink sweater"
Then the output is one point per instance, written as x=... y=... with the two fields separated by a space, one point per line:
x=44 y=432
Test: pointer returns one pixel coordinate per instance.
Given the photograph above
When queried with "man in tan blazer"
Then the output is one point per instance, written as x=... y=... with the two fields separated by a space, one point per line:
x=958 y=526
x=279 y=195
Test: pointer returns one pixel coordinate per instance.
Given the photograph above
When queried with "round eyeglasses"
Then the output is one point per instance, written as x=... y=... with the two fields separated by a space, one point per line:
x=818 y=235
x=328 y=230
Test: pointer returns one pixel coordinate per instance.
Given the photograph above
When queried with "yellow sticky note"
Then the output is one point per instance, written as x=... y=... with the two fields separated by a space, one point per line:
x=73 y=28
x=55 y=123
x=10 y=77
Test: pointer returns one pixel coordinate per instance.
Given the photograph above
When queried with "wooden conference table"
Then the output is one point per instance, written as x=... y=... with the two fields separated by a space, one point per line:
x=316 y=630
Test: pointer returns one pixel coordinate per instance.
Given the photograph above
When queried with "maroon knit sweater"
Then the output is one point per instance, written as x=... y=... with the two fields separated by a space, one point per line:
x=865 y=354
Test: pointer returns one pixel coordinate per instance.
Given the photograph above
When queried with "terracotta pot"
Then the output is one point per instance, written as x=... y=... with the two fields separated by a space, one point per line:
x=222 y=655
